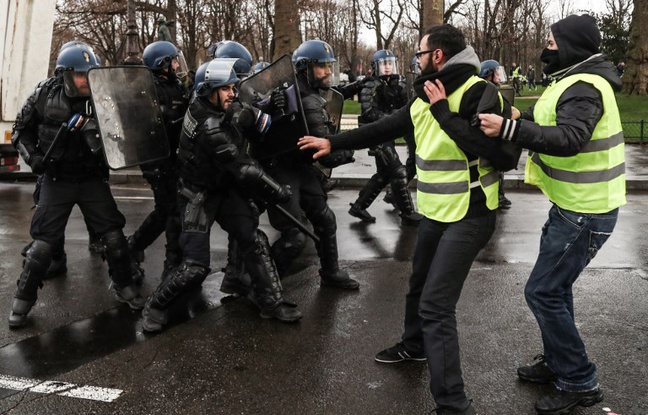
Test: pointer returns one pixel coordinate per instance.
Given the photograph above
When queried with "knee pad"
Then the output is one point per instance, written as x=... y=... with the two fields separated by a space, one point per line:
x=115 y=244
x=40 y=251
x=288 y=247
x=324 y=222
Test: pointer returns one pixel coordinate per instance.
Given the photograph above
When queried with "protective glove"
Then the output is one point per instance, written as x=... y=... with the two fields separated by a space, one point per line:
x=37 y=165
x=278 y=101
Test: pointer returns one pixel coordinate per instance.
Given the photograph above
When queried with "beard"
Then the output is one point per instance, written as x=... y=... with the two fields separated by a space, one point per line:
x=429 y=69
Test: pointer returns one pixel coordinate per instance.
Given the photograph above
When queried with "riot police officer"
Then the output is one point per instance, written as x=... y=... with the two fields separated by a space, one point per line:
x=490 y=71
x=162 y=58
x=221 y=182
x=57 y=136
x=313 y=61
x=382 y=94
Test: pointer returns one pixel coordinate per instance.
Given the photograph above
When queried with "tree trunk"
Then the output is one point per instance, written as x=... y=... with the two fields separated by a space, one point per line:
x=635 y=79
x=431 y=13
x=287 y=36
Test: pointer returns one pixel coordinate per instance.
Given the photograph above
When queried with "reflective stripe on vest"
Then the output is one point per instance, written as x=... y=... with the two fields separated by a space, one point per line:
x=592 y=181
x=443 y=187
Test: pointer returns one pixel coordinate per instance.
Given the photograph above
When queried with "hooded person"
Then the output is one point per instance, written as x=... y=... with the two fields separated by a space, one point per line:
x=576 y=157
x=457 y=193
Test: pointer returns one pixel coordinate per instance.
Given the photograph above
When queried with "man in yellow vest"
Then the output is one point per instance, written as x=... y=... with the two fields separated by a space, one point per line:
x=457 y=192
x=576 y=157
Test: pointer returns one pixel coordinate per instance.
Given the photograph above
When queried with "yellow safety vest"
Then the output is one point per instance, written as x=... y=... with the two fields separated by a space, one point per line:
x=443 y=188
x=592 y=181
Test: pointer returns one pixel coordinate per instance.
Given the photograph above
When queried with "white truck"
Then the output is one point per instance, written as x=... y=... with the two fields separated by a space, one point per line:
x=25 y=41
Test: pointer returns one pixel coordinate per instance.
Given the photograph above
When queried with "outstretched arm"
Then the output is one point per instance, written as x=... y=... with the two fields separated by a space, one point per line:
x=322 y=145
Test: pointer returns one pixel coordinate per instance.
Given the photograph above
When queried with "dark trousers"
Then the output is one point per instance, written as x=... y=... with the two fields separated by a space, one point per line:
x=58 y=197
x=442 y=259
x=235 y=215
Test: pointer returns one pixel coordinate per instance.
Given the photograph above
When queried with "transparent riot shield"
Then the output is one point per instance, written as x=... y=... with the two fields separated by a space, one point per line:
x=334 y=106
x=286 y=128
x=128 y=114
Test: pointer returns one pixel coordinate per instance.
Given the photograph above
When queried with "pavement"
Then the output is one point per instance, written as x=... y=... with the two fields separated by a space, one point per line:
x=85 y=353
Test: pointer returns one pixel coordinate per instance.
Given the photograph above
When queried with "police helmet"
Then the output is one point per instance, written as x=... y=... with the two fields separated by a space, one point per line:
x=76 y=59
x=161 y=19
x=75 y=43
x=312 y=51
x=158 y=55
x=488 y=68
x=215 y=73
x=232 y=49
x=259 y=66
x=384 y=63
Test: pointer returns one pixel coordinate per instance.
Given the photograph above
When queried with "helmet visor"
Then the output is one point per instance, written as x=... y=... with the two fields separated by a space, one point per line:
x=387 y=66
x=183 y=68
x=76 y=84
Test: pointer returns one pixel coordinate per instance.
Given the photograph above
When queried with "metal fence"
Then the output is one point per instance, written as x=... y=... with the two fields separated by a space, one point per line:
x=635 y=131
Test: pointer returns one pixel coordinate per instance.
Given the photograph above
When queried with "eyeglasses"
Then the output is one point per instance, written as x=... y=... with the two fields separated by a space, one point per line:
x=423 y=52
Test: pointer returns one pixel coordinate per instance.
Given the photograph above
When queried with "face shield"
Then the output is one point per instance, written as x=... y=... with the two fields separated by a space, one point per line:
x=387 y=66
x=321 y=75
x=183 y=68
x=76 y=84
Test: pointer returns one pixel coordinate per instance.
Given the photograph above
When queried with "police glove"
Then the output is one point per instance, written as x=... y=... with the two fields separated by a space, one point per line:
x=278 y=100
x=37 y=165
x=337 y=158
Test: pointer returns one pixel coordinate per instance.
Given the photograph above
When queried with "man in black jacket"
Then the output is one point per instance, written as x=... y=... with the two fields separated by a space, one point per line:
x=219 y=183
x=456 y=193
x=58 y=118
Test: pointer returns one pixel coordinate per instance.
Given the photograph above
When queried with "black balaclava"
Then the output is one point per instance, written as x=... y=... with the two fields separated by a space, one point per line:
x=577 y=37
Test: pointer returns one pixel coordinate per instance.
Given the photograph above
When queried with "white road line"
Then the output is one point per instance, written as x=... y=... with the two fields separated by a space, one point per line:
x=133 y=197
x=60 y=388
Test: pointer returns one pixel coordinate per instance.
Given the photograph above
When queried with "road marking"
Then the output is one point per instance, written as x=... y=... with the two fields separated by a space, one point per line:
x=60 y=388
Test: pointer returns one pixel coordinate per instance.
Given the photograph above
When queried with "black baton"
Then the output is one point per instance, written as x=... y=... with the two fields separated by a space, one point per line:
x=298 y=223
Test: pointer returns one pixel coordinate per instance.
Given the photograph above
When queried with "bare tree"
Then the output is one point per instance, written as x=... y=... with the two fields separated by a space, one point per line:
x=635 y=80
x=287 y=36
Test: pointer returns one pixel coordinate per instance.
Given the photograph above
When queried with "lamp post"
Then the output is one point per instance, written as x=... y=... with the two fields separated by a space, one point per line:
x=132 y=49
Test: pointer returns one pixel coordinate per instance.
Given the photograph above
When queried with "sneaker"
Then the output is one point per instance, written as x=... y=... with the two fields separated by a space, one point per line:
x=129 y=295
x=153 y=320
x=399 y=353
x=361 y=214
x=561 y=402
x=538 y=372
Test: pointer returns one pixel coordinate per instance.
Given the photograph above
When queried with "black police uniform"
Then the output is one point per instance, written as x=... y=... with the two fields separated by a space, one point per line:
x=219 y=181
x=378 y=98
x=162 y=176
x=296 y=169
x=73 y=175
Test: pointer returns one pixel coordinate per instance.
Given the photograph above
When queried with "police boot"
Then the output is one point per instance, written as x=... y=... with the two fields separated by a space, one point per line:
x=330 y=273
x=37 y=260
x=186 y=276
x=120 y=269
x=289 y=246
x=504 y=203
x=403 y=198
x=267 y=292
x=234 y=280
x=367 y=195
x=19 y=310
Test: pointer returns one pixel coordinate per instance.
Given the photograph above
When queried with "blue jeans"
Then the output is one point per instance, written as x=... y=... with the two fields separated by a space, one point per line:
x=569 y=241
x=442 y=259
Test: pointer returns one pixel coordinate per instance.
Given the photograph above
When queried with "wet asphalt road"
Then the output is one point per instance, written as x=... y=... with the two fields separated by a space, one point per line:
x=219 y=357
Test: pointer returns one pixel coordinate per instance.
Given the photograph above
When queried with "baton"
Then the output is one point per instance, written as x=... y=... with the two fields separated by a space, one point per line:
x=59 y=133
x=298 y=223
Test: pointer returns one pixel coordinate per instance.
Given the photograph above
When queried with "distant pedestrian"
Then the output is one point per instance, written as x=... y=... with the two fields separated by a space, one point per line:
x=530 y=75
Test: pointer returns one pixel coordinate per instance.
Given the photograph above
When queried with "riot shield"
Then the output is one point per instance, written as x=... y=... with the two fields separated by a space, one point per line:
x=334 y=106
x=508 y=93
x=287 y=129
x=128 y=114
